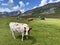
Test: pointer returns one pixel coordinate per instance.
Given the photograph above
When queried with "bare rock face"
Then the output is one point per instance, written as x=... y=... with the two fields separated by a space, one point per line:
x=50 y=11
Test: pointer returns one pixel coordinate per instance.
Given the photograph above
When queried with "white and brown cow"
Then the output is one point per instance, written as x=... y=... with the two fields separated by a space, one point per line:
x=20 y=28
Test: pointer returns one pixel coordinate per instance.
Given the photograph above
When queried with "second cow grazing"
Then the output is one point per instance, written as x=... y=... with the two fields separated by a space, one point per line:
x=30 y=19
x=19 y=28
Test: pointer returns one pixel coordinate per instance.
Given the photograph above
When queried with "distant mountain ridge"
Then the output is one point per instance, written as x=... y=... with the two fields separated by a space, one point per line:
x=40 y=10
x=13 y=13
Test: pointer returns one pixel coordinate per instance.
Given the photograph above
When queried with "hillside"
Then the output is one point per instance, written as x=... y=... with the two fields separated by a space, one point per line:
x=49 y=10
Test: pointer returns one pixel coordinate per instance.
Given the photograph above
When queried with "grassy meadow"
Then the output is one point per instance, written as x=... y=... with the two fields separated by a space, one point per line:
x=44 y=32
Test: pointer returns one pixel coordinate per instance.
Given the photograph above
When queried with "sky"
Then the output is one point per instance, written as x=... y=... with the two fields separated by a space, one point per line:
x=22 y=5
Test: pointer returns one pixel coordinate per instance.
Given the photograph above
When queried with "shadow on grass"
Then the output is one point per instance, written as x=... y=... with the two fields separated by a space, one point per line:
x=31 y=38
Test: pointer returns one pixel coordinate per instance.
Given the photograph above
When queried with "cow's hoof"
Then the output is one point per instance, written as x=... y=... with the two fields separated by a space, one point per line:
x=21 y=39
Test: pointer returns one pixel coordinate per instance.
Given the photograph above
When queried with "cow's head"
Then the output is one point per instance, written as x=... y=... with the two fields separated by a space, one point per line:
x=27 y=30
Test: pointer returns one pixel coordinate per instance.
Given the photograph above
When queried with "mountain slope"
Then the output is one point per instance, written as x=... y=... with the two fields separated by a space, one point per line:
x=49 y=8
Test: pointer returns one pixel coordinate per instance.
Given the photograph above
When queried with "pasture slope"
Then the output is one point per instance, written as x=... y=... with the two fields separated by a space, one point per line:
x=44 y=32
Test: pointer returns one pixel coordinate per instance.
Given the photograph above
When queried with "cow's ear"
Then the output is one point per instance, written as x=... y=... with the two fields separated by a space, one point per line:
x=30 y=28
x=24 y=28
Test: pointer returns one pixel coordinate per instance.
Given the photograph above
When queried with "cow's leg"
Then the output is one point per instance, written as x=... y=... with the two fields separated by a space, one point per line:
x=26 y=34
x=13 y=35
x=22 y=36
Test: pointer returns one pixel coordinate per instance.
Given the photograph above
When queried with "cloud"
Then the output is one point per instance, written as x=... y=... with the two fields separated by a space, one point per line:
x=22 y=10
x=21 y=4
x=5 y=10
x=34 y=7
x=43 y=2
x=16 y=8
x=57 y=1
x=10 y=2
x=1 y=10
x=4 y=4
x=51 y=1
x=27 y=3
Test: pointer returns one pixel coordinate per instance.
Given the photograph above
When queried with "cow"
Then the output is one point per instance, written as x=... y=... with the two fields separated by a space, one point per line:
x=30 y=19
x=22 y=28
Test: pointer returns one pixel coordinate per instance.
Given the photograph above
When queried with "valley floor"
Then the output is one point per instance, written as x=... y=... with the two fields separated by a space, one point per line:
x=44 y=32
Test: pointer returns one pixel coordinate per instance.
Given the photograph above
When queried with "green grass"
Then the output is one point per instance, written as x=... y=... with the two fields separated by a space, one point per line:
x=44 y=32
